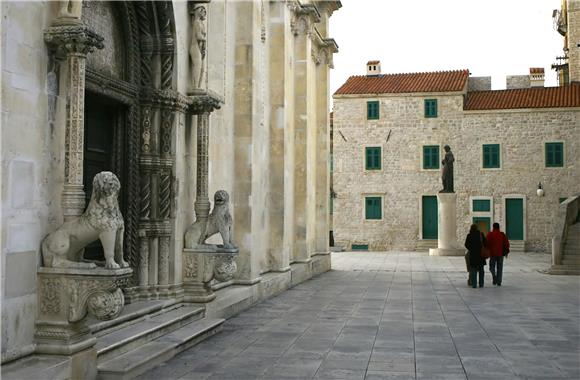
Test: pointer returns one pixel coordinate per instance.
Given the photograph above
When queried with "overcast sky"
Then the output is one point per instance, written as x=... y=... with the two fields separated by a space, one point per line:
x=489 y=37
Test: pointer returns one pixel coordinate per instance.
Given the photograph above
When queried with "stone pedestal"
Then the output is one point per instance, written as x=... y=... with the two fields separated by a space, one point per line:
x=65 y=296
x=447 y=244
x=202 y=264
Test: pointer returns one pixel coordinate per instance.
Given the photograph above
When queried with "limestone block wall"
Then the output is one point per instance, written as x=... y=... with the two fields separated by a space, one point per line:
x=402 y=130
x=522 y=135
x=32 y=165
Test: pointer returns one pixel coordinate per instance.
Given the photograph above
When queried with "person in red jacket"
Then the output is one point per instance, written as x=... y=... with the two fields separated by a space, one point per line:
x=499 y=246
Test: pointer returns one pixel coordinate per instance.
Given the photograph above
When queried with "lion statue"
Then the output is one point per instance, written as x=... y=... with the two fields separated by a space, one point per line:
x=219 y=221
x=101 y=220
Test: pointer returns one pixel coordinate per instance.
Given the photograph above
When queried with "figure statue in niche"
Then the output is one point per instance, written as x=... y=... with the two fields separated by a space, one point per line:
x=219 y=221
x=101 y=220
x=197 y=49
x=447 y=170
x=70 y=9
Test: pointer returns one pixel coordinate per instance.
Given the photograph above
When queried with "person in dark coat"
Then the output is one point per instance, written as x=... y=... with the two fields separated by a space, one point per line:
x=474 y=241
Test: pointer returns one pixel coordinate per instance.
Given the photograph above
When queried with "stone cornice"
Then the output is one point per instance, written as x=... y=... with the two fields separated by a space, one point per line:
x=323 y=48
x=165 y=99
x=329 y=6
x=303 y=18
x=72 y=39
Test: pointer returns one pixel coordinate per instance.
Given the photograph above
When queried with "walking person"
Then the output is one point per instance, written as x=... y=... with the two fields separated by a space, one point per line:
x=475 y=242
x=499 y=246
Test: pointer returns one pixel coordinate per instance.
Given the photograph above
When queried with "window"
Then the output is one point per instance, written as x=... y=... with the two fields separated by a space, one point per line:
x=360 y=247
x=554 y=155
x=481 y=205
x=373 y=158
x=431 y=157
x=490 y=156
x=430 y=107
x=372 y=110
x=560 y=200
x=373 y=208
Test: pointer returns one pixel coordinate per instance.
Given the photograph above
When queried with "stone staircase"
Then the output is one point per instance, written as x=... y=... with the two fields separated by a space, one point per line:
x=425 y=244
x=517 y=246
x=571 y=253
x=148 y=335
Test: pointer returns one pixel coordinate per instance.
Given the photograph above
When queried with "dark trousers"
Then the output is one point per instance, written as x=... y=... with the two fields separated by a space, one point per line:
x=473 y=276
x=496 y=269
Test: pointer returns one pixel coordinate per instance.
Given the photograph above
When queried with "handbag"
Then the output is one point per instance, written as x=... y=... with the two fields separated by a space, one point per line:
x=485 y=254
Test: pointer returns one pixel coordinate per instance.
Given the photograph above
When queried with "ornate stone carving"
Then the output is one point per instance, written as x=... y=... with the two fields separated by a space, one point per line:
x=304 y=16
x=190 y=266
x=66 y=295
x=102 y=220
x=219 y=221
x=197 y=49
x=106 y=305
x=225 y=267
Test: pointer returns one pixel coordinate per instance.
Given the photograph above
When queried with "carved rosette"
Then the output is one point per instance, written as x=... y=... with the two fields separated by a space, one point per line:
x=225 y=268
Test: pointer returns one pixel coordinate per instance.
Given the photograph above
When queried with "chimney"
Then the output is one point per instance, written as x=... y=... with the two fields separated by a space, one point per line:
x=537 y=77
x=373 y=68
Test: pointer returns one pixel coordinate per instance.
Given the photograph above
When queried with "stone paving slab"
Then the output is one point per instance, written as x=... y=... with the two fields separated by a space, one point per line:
x=400 y=315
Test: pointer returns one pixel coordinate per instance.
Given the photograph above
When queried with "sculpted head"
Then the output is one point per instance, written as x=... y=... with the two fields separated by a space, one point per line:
x=106 y=184
x=200 y=12
x=221 y=197
x=447 y=148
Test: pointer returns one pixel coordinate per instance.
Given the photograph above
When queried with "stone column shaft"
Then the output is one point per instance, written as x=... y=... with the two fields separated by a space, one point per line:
x=202 y=205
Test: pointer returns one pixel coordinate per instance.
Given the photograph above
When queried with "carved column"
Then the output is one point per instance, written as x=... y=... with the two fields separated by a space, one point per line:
x=73 y=43
x=201 y=199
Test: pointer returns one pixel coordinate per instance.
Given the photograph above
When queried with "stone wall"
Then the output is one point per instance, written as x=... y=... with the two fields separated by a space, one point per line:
x=253 y=48
x=402 y=130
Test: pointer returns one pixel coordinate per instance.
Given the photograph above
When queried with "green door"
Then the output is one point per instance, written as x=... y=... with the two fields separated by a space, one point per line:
x=514 y=215
x=429 y=217
x=483 y=223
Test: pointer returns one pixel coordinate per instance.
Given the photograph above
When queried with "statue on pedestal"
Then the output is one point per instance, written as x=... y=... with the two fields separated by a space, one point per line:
x=197 y=49
x=101 y=220
x=219 y=221
x=447 y=171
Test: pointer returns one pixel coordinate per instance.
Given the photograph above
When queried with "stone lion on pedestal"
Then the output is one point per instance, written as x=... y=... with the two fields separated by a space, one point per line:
x=101 y=220
x=219 y=221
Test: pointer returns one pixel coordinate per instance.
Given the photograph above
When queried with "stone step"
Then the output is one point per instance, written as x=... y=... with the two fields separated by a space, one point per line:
x=517 y=246
x=126 y=337
x=568 y=270
x=425 y=244
x=135 y=362
x=37 y=367
x=571 y=260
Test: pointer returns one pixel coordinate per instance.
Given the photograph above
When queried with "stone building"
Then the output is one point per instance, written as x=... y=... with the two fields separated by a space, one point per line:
x=179 y=100
x=387 y=167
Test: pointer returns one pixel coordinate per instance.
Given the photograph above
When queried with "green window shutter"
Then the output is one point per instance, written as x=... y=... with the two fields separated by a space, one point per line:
x=430 y=107
x=431 y=157
x=373 y=209
x=481 y=205
x=560 y=200
x=373 y=158
x=360 y=247
x=491 y=156
x=373 y=110
x=554 y=155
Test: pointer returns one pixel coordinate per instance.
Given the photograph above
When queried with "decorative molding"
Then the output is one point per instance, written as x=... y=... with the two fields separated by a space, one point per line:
x=72 y=39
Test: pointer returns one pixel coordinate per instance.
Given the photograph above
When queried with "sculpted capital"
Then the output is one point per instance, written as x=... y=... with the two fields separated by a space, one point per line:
x=72 y=39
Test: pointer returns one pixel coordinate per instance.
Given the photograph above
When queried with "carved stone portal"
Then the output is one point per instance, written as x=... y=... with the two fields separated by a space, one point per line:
x=66 y=295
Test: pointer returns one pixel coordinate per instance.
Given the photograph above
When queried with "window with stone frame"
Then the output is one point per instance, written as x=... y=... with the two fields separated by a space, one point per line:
x=373 y=158
x=554 y=155
x=373 y=208
x=430 y=108
x=430 y=157
x=491 y=156
x=373 y=110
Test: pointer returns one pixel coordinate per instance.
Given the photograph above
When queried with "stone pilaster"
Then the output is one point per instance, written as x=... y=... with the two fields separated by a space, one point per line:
x=72 y=43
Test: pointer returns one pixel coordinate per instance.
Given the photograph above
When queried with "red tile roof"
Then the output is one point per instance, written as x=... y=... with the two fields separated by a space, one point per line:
x=536 y=70
x=373 y=62
x=538 y=97
x=440 y=81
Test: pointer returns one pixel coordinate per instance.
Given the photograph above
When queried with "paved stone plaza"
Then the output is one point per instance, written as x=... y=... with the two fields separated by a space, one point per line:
x=400 y=315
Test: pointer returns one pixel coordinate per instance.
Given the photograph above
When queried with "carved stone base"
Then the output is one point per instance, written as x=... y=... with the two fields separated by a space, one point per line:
x=203 y=264
x=65 y=296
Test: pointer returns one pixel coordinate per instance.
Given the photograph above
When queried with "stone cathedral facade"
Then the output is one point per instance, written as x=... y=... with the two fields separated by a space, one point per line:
x=179 y=100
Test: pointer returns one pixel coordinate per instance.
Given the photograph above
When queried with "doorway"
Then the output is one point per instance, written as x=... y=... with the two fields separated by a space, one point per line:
x=103 y=150
x=429 y=217
x=514 y=214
